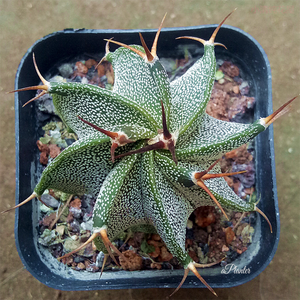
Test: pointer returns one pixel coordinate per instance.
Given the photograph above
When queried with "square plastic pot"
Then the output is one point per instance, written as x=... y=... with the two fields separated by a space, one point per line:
x=61 y=46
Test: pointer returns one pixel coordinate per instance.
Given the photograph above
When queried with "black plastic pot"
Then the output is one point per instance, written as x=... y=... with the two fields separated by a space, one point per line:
x=60 y=46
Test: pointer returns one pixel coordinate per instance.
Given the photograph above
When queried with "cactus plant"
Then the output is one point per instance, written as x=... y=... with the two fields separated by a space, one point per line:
x=146 y=150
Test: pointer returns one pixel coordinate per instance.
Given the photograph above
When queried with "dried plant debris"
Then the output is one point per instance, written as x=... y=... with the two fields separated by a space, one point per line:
x=209 y=236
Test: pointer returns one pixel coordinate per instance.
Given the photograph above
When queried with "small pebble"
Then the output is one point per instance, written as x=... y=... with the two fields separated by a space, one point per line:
x=87 y=225
x=209 y=229
x=81 y=67
x=78 y=259
x=236 y=89
x=229 y=234
x=74 y=226
x=225 y=248
x=100 y=259
x=65 y=70
x=81 y=266
x=50 y=201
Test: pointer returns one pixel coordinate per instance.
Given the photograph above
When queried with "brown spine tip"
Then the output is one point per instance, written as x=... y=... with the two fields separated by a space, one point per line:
x=279 y=112
x=208 y=265
x=206 y=189
x=211 y=41
x=149 y=55
x=44 y=87
x=91 y=238
x=220 y=44
x=192 y=38
x=32 y=196
x=37 y=97
x=107 y=46
x=106 y=52
x=199 y=175
x=43 y=80
x=108 y=244
x=211 y=176
x=138 y=52
x=167 y=142
x=110 y=134
x=192 y=267
x=166 y=132
x=186 y=272
x=113 y=148
x=154 y=46
x=103 y=264
x=170 y=145
x=265 y=217
x=213 y=36
x=147 y=148
x=118 y=139
x=171 y=148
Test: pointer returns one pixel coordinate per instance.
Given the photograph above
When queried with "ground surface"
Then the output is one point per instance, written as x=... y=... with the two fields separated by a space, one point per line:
x=275 y=24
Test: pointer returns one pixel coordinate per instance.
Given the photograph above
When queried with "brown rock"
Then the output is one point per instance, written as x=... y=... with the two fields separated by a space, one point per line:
x=81 y=67
x=101 y=70
x=217 y=105
x=54 y=150
x=133 y=262
x=70 y=218
x=230 y=69
x=110 y=75
x=68 y=260
x=228 y=87
x=165 y=255
x=240 y=155
x=155 y=237
x=47 y=221
x=236 y=89
x=239 y=105
x=76 y=203
x=239 y=251
x=205 y=215
x=238 y=215
x=137 y=239
x=90 y=62
x=225 y=248
x=75 y=208
x=231 y=154
x=229 y=235
x=42 y=147
x=44 y=158
x=240 y=228
x=155 y=266
x=200 y=234
x=188 y=242
x=81 y=266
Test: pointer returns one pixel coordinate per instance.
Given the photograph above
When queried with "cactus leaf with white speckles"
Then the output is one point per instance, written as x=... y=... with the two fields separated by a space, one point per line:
x=144 y=83
x=212 y=138
x=102 y=107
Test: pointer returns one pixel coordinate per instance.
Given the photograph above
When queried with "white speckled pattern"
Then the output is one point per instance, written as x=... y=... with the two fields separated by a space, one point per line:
x=148 y=190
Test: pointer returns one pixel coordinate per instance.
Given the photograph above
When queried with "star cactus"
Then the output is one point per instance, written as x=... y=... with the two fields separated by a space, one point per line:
x=146 y=150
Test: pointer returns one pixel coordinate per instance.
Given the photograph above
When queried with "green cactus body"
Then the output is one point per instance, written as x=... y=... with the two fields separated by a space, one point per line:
x=148 y=190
